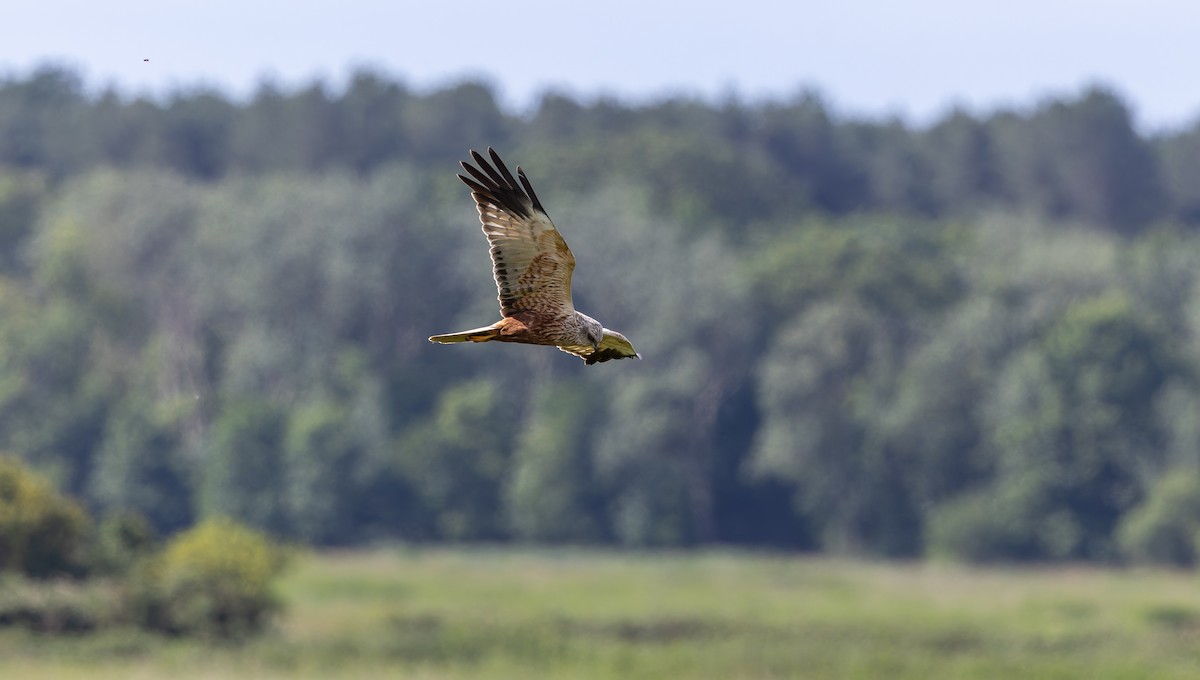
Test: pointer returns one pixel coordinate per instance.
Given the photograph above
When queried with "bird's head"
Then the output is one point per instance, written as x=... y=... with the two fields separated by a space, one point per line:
x=593 y=331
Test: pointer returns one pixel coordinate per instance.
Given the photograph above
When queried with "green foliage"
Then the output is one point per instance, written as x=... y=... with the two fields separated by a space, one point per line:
x=550 y=496
x=990 y=527
x=244 y=478
x=859 y=335
x=41 y=532
x=901 y=267
x=54 y=402
x=934 y=420
x=821 y=385
x=1074 y=424
x=655 y=462
x=1166 y=528
x=1080 y=159
x=457 y=460
x=142 y=464
x=123 y=540
x=1179 y=156
x=331 y=467
x=214 y=579
x=21 y=197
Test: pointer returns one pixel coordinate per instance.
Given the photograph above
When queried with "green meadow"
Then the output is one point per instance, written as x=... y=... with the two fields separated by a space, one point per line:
x=480 y=613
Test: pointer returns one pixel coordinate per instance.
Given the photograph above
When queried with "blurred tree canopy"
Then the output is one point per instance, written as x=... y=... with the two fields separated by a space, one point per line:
x=976 y=338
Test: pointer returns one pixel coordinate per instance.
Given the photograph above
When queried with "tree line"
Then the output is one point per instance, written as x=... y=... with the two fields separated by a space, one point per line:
x=726 y=164
x=976 y=338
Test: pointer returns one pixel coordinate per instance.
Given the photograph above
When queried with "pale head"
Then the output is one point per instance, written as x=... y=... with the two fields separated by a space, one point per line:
x=592 y=333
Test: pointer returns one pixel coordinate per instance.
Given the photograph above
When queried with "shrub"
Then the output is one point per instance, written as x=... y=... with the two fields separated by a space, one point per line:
x=123 y=539
x=1166 y=528
x=214 y=579
x=42 y=533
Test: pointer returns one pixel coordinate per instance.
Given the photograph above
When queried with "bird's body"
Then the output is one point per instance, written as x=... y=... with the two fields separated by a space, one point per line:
x=532 y=266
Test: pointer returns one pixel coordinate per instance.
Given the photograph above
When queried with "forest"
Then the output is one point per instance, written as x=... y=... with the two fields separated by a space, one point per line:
x=976 y=338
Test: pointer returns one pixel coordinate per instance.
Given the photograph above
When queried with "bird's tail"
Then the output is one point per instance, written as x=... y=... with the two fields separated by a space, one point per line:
x=475 y=335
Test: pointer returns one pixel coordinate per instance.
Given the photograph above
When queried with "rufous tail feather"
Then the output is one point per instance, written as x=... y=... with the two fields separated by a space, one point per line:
x=475 y=335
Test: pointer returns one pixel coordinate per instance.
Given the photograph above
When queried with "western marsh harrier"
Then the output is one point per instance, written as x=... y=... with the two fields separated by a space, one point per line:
x=532 y=266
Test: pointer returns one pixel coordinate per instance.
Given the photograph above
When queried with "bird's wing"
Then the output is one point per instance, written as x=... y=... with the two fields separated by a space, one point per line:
x=613 y=346
x=531 y=262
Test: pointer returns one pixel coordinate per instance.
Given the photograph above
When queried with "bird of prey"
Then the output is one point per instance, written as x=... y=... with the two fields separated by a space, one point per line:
x=532 y=266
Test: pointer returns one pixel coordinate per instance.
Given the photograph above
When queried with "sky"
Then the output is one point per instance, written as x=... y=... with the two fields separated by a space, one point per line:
x=873 y=58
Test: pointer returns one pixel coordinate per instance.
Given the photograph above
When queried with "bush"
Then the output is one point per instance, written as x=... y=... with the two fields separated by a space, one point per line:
x=1166 y=528
x=123 y=539
x=42 y=533
x=214 y=579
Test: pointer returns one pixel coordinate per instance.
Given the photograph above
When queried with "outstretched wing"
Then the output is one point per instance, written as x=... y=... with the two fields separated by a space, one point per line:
x=531 y=263
x=613 y=346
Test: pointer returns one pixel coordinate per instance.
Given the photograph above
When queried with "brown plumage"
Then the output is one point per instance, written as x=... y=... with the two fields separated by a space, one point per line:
x=532 y=266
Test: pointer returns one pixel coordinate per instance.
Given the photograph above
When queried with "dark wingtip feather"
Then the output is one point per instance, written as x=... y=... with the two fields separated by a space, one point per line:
x=479 y=175
x=529 y=190
x=474 y=186
x=496 y=183
x=502 y=168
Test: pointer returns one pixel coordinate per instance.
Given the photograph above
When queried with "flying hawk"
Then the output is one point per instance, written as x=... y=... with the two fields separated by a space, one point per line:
x=532 y=266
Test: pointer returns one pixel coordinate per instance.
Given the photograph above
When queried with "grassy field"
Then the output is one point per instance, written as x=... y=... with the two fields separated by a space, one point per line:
x=502 y=614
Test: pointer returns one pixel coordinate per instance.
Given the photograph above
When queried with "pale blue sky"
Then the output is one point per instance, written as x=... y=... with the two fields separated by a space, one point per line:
x=867 y=56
